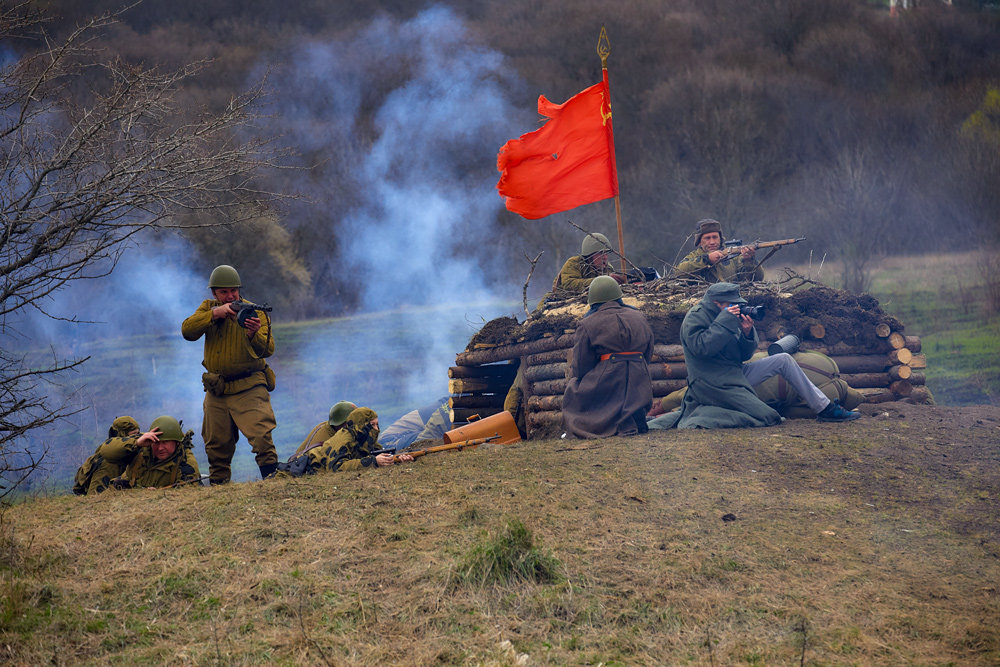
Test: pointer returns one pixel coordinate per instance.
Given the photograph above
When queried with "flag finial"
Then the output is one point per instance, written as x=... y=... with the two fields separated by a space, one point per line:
x=603 y=47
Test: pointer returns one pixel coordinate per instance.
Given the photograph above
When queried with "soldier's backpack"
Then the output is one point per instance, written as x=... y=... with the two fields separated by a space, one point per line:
x=81 y=481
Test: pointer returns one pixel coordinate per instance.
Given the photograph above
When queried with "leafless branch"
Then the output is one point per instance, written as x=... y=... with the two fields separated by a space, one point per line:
x=524 y=290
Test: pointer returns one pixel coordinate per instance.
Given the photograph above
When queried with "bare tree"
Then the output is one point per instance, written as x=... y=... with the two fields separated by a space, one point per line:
x=94 y=151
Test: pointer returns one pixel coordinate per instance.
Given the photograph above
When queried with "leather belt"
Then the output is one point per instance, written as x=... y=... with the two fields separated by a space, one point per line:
x=613 y=355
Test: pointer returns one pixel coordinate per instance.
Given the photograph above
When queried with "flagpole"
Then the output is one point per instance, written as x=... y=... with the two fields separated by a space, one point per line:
x=604 y=50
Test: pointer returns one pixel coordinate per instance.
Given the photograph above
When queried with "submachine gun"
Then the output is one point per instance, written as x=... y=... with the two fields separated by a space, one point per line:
x=245 y=310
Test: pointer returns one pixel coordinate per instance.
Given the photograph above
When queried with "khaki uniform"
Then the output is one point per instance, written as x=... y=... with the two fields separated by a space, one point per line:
x=236 y=389
x=350 y=448
x=321 y=432
x=142 y=470
x=732 y=270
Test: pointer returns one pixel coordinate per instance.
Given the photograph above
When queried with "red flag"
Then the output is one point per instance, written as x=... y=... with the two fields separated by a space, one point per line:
x=568 y=162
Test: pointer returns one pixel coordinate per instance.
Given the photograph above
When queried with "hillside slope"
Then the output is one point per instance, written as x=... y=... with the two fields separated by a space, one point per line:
x=871 y=542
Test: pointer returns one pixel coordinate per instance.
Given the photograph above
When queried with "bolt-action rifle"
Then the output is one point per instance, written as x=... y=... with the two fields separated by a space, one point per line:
x=457 y=446
x=735 y=247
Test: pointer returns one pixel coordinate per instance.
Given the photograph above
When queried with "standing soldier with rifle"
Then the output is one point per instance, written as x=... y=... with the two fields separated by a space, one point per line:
x=237 y=378
x=712 y=261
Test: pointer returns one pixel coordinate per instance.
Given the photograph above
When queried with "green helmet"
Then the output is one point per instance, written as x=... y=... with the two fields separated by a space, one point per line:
x=594 y=243
x=603 y=289
x=224 y=276
x=339 y=412
x=170 y=428
x=123 y=426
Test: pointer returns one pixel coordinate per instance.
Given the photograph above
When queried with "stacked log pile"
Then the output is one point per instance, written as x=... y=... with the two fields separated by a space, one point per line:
x=873 y=354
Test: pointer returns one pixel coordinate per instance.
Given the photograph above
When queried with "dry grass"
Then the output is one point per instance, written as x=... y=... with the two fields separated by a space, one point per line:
x=872 y=542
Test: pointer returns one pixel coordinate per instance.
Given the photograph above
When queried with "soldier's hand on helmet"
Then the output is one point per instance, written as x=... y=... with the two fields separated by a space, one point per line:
x=716 y=256
x=252 y=325
x=148 y=438
x=747 y=252
x=619 y=278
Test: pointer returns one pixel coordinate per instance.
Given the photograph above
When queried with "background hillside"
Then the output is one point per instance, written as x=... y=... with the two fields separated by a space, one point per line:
x=874 y=542
x=867 y=133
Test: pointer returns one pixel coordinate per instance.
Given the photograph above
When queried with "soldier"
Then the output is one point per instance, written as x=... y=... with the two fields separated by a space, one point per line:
x=325 y=430
x=158 y=458
x=579 y=270
x=610 y=391
x=717 y=339
x=706 y=260
x=237 y=380
x=352 y=447
x=95 y=475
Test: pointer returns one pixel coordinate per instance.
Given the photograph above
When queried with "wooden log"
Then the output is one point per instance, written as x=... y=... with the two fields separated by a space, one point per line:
x=477 y=401
x=507 y=371
x=867 y=380
x=664 y=387
x=479 y=386
x=917 y=378
x=861 y=363
x=817 y=331
x=546 y=421
x=912 y=343
x=900 y=356
x=896 y=340
x=461 y=415
x=551 y=357
x=514 y=351
x=921 y=395
x=547 y=387
x=668 y=371
x=900 y=372
x=545 y=403
x=777 y=330
x=546 y=372
x=918 y=361
x=668 y=353
x=877 y=395
x=901 y=388
x=883 y=330
x=843 y=349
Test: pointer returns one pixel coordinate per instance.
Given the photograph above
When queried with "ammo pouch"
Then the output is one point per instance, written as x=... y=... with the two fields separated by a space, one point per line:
x=214 y=384
x=269 y=378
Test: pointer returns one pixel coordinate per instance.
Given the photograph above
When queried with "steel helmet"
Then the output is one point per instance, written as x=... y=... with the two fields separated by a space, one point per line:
x=123 y=426
x=594 y=243
x=170 y=428
x=603 y=289
x=339 y=412
x=224 y=276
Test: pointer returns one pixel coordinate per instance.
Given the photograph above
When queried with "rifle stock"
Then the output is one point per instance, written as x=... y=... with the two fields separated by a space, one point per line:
x=458 y=446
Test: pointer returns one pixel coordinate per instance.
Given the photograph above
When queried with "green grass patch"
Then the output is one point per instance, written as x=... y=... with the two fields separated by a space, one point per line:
x=506 y=556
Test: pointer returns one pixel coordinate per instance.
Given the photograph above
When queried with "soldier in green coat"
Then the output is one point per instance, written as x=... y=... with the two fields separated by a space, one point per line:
x=706 y=262
x=237 y=378
x=95 y=475
x=158 y=458
x=325 y=430
x=353 y=447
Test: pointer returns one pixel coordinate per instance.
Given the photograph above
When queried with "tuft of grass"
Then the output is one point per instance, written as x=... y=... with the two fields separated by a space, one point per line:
x=506 y=556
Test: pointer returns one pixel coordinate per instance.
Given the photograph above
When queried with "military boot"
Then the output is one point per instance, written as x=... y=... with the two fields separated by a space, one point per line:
x=267 y=470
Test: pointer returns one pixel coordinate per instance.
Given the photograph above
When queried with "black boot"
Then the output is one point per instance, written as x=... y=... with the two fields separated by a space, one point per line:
x=267 y=470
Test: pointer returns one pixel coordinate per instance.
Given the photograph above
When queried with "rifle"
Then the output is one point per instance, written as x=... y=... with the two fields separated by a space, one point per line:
x=458 y=446
x=642 y=274
x=735 y=247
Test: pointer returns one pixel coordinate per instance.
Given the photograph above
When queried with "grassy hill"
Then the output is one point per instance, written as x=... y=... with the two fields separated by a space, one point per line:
x=875 y=542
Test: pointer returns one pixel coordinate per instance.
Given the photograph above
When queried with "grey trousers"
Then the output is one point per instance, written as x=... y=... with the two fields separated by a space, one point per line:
x=784 y=365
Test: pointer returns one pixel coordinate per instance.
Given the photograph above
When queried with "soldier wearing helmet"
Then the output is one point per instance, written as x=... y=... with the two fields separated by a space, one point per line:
x=325 y=430
x=708 y=260
x=579 y=270
x=237 y=378
x=158 y=458
x=610 y=390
